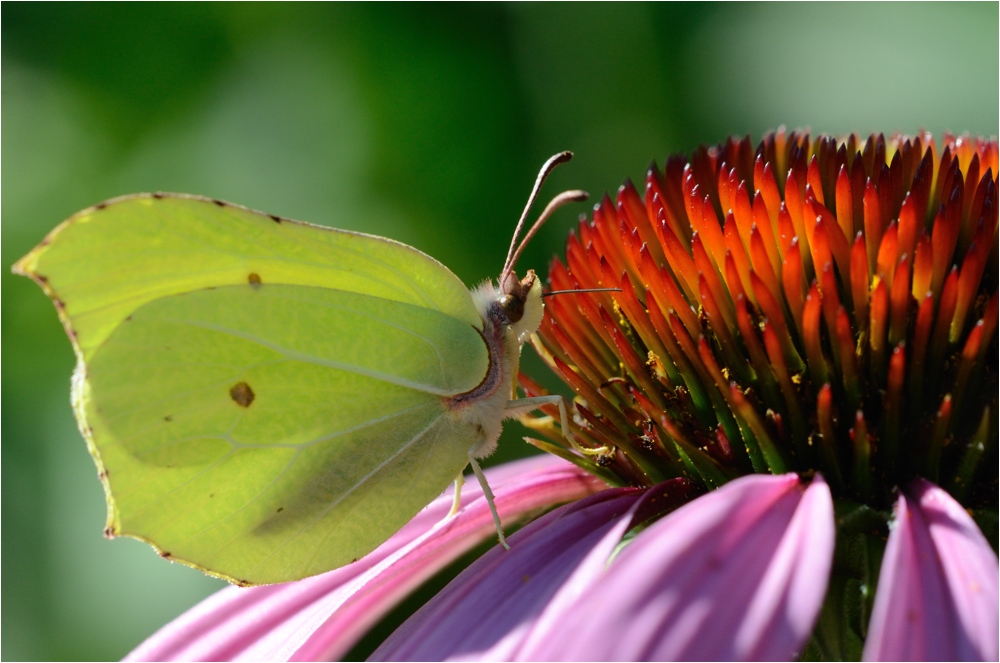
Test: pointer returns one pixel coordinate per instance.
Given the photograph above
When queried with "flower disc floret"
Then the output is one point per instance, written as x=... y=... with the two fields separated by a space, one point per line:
x=811 y=305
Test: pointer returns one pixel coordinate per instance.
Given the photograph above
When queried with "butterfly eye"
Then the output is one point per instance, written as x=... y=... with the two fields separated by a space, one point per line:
x=513 y=307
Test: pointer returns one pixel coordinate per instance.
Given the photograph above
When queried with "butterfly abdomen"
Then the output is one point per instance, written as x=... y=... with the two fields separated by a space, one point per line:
x=484 y=407
x=493 y=336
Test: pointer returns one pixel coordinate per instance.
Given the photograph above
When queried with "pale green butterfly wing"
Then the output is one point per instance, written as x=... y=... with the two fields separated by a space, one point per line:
x=261 y=432
x=272 y=433
x=106 y=261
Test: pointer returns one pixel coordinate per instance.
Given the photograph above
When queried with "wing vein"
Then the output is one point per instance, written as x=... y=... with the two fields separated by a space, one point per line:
x=296 y=448
x=346 y=493
x=319 y=361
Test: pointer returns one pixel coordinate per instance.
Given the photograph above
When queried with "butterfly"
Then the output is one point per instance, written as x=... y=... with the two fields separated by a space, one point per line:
x=266 y=399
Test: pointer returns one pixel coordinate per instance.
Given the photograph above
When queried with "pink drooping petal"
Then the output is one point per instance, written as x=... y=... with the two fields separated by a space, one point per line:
x=484 y=612
x=937 y=595
x=320 y=618
x=739 y=573
x=492 y=609
x=656 y=501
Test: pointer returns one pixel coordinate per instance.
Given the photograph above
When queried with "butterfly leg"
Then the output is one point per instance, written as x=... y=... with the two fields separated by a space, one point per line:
x=489 y=498
x=521 y=406
x=456 y=502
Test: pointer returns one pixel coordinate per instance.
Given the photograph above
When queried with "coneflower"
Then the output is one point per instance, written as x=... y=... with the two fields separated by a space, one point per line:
x=808 y=306
x=791 y=385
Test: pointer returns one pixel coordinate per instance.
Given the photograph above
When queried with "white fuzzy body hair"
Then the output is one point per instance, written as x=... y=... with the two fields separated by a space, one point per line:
x=485 y=407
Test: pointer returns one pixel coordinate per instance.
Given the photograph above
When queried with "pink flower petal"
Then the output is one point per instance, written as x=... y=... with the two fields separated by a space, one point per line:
x=660 y=499
x=739 y=573
x=483 y=613
x=937 y=596
x=490 y=610
x=323 y=616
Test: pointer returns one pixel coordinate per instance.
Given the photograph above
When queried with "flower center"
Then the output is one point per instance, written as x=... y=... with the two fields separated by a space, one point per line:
x=811 y=305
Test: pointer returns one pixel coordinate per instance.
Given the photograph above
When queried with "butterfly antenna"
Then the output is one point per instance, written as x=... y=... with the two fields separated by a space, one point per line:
x=554 y=204
x=547 y=168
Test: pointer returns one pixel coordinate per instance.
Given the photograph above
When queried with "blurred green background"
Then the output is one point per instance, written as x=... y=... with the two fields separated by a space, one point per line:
x=424 y=123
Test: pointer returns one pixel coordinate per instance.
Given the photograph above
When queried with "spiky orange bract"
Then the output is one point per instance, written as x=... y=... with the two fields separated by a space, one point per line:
x=810 y=305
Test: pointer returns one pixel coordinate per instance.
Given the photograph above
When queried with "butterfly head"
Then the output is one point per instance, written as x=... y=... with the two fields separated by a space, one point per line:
x=521 y=303
x=520 y=300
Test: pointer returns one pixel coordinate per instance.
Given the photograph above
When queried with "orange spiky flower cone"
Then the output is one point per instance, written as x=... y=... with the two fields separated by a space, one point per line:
x=812 y=305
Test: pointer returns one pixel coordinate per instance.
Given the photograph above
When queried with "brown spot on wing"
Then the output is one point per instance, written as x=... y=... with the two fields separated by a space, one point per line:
x=158 y=196
x=164 y=554
x=276 y=219
x=242 y=394
x=101 y=205
x=168 y=418
x=253 y=278
x=218 y=202
x=109 y=533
